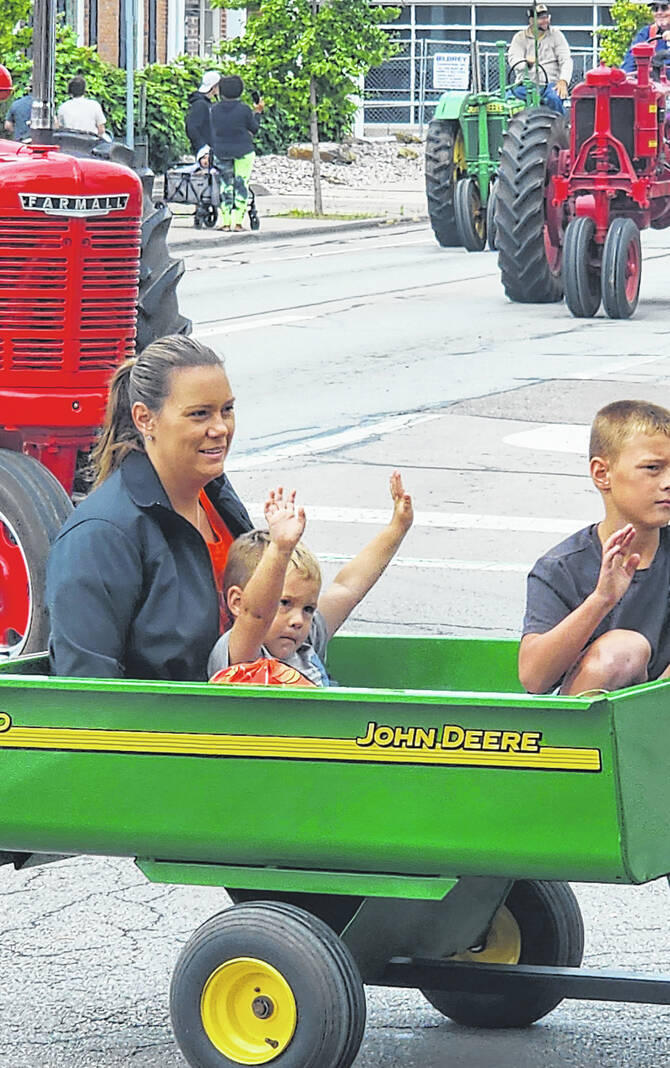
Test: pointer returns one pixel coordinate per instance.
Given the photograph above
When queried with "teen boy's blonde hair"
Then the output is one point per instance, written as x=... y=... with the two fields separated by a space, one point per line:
x=617 y=423
x=245 y=555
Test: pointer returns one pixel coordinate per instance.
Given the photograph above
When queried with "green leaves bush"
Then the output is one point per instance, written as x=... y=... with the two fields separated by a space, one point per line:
x=629 y=16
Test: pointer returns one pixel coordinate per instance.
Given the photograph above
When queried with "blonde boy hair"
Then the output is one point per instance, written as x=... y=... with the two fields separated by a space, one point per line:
x=245 y=555
x=617 y=423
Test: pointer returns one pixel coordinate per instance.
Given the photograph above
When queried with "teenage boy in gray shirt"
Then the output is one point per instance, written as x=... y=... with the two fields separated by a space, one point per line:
x=598 y=605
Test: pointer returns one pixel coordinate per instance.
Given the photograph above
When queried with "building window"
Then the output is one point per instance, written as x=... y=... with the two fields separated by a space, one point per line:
x=151 y=32
x=203 y=28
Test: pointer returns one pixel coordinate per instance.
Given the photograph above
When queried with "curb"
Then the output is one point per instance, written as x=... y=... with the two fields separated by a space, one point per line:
x=230 y=240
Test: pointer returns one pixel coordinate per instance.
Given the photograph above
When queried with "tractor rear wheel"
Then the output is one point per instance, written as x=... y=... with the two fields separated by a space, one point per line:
x=581 y=268
x=445 y=164
x=622 y=269
x=529 y=229
x=470 y=215
x=33 y=508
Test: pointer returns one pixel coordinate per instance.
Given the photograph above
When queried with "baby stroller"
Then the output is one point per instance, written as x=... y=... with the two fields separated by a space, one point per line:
x=192 y=184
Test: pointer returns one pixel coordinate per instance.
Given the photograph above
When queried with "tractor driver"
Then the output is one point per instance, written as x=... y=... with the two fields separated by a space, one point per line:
x=553 y=56
x=658 y=31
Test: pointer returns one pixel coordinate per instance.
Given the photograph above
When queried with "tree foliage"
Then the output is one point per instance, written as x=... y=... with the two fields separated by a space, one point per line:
x=12 y=12
x=288 y=42
x=628 y=17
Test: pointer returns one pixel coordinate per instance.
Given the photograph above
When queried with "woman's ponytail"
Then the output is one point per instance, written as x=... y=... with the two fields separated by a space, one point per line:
x=119 y=435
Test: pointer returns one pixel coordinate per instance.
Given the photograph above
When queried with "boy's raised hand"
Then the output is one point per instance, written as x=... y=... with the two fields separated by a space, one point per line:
x=403 y=511
x=286 y=524
x=618 y=565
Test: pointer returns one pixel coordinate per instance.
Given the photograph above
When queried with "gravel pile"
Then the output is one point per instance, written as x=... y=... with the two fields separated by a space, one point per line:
x=377 y=163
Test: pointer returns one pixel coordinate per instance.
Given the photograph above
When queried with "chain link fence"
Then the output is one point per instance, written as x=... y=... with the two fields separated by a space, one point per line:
x=400 y=91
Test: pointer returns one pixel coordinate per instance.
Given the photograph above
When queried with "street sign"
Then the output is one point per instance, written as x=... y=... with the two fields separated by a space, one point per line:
x=451 y=70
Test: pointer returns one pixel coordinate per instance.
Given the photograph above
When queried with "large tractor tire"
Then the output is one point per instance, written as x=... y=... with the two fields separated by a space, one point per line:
x=529 y=229
x=445 y=164
x=157 y=307
x=33 y=508
x=540 y=923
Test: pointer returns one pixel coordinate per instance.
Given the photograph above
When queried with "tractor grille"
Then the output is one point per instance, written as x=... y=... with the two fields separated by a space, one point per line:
x=68 y=293
x=622 y=115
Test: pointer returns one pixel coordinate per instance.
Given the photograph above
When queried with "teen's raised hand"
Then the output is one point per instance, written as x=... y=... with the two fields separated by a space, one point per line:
x=403 y=511
x=618 y=565
x=286 y=523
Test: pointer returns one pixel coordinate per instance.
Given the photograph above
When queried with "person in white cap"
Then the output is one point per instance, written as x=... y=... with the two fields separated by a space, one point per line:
x=199 y=103
x=553 y=56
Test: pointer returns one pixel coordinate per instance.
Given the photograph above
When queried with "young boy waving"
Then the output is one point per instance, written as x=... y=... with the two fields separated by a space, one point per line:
x=272 y=588
x=598 y=605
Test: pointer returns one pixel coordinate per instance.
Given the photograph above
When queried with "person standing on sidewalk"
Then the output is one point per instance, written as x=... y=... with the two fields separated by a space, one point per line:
x=199 y=104
x=233 y=125
x=17 y=122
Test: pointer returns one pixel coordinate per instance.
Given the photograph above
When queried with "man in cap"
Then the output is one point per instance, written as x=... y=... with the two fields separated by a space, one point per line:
x=658 y=32
x=197 y=116
x=553 y=56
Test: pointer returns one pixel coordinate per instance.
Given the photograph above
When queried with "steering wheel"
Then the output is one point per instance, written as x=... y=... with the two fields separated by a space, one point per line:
x=541 y=84
x=660 y=58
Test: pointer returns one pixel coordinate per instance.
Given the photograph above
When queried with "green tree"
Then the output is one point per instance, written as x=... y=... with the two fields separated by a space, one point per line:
x=307 y=57
x=628 y=16
x=12 y=12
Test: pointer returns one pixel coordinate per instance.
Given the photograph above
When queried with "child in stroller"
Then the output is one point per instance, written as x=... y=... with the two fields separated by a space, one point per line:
x=199 y=183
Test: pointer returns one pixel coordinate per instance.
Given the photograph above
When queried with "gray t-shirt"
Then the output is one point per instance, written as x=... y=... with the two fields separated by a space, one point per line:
x=308 y=658
x=565 y=576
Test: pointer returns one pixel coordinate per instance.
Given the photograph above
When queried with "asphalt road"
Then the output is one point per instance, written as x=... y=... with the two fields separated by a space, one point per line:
x=350 y=356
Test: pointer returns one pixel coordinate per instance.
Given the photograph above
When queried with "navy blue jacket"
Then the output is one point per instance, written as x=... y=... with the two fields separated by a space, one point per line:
x=130 y=587
x=642 y=35
x=197 y=121
x=233 y=124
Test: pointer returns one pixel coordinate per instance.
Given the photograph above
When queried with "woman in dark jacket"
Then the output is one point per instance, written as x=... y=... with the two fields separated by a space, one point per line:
x=132 y=579
x=233 y=126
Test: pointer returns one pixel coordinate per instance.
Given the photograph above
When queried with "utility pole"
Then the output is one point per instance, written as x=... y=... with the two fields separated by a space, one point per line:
x=130 y=15
x=44 y=60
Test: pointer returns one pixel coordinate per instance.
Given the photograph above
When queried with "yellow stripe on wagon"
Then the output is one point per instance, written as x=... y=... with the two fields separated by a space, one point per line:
x=451 y=745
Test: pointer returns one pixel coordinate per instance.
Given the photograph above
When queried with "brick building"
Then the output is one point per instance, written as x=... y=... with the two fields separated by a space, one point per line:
x=163 y=28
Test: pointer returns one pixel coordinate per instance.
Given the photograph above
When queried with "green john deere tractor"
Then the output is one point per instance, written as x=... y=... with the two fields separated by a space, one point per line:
x=462 y=155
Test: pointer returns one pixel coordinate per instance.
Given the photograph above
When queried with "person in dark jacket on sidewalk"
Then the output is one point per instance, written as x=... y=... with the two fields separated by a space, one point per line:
x=233 y=126
x=133 y=578
x=199 y=104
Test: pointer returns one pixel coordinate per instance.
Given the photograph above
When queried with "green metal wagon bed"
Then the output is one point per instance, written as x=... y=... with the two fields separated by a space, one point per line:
x=414 y=826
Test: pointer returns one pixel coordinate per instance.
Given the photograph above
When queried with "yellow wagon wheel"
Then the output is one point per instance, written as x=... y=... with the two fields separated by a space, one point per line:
x=266 y=983
x=540 y=923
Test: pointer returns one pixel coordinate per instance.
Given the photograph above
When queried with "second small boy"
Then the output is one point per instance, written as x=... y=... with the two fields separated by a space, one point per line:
x=598 y=605
x=272 y=588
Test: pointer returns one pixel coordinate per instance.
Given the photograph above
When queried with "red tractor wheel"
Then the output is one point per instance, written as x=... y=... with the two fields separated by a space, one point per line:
x=581 y=268
x=33 y=508
x=622 y=269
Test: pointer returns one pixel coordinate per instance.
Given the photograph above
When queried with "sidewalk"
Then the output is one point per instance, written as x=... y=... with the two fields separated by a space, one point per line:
x=374 y=208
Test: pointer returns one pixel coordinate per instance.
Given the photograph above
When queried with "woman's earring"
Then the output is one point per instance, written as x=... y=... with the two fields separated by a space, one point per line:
x=150 y=437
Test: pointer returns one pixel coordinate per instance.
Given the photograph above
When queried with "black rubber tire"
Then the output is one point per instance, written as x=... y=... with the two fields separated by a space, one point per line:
x=530 y=146
x=581 y=278
x=441 y=177
x=491 y=217
x=254 y=221
x=34 y=506
x=210 y=216
x=355 y=989
x=307 y=955
x=470 y=216
x=620 y=294
x=552 y=933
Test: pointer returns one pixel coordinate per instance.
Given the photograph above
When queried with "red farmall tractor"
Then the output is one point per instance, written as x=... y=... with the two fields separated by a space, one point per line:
x=85 y=278
x=571 y=205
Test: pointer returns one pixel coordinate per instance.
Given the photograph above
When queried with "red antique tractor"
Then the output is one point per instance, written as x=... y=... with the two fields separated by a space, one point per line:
x=571 y=205
x=85 y=278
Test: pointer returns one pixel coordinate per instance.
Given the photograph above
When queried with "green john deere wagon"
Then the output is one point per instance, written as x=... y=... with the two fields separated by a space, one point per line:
x=414 y=826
